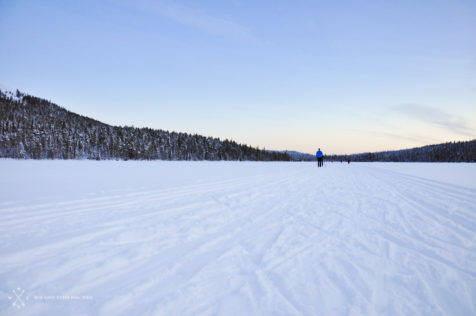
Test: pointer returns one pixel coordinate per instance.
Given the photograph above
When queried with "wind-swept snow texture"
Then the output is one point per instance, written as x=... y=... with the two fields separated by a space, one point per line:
x=236 y=238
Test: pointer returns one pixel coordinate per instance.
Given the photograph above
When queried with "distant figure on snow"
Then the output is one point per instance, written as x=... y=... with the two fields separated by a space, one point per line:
x=319 y=157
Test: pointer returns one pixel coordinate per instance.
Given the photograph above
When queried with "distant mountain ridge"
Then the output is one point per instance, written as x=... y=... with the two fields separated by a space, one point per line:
x=297 y=156
x=447 y=152
x=35 y=128
x=463 y=151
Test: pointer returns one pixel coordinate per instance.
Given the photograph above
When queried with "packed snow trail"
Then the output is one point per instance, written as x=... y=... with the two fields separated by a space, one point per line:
x=229 y=238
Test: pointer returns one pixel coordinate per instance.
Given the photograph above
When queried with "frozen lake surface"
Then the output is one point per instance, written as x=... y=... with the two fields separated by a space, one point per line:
x=236 y=238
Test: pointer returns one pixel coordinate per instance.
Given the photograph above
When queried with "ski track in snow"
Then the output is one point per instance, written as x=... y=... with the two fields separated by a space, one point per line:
x=290 y=239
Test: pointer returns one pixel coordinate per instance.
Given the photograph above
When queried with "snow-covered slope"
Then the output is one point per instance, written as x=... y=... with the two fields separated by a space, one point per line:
x=231 y=238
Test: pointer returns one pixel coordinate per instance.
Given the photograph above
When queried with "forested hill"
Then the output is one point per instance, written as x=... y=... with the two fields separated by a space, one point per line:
x=447 y=152
x=31 y=127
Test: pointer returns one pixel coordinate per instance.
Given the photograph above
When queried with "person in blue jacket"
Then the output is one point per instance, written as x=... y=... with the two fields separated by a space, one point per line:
x=319 y=157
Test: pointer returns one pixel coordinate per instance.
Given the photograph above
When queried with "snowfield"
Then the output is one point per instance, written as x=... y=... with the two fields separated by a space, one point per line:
x=236 y=238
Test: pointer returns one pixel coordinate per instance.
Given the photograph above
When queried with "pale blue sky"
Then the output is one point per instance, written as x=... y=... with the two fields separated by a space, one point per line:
x=346 y=76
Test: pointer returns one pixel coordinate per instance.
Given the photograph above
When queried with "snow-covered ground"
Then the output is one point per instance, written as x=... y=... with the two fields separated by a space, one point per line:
x=231 y=238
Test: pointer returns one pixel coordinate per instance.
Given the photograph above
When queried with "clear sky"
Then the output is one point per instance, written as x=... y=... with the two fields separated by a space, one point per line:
x=346 y=76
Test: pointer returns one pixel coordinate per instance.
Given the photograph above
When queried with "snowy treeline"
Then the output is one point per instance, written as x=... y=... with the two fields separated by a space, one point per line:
x=447 y=152
x=31 y=127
